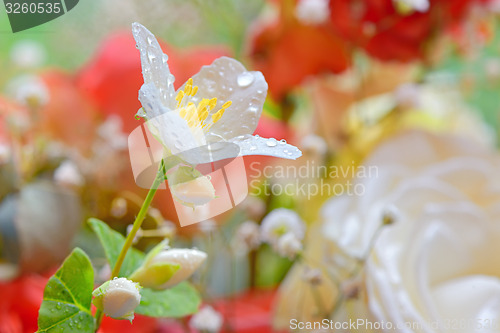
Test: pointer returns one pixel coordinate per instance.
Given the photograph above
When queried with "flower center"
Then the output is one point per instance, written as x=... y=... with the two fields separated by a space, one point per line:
x=197 y=115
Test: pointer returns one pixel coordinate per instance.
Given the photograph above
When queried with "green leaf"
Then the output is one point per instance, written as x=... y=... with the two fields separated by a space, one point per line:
x=67 y=297
x=176 y=302
x=112 y=242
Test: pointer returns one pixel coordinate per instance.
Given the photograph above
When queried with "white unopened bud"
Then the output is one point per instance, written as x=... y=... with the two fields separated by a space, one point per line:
x=289 y=246
x=192 y=193
x=312 y=12
x=28 y=54
x=247 y=238
x=314 y=144
x=207 y=320
x=166 y=268
x=68 y=174
x=118 y=207
x=118 y=298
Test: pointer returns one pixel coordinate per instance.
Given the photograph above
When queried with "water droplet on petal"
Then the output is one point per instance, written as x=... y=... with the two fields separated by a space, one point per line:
x=282 y=141
x=253 y=148
x=271 y=142
x=151 y=57
x=150 y=40
x=245 y=79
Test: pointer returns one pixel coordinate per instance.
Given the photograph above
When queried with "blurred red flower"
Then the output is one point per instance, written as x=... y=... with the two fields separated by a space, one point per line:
x=287 y=51
x=249 y=312
x=386 y=33
x=19 y=304
x=68 y=116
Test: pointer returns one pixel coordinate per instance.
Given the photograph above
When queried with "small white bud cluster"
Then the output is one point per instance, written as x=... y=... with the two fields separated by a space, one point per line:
x=283 y=229
x=67 y=174
x=247 y=238
x=207 y=320
x=312 y=12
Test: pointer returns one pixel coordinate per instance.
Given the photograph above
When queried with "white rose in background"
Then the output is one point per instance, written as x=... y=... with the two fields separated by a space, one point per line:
x=438 y=272
x=416 y=164
x=434 y=267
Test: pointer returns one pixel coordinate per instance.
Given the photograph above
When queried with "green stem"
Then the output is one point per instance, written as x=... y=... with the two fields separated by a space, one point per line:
x=160 y=178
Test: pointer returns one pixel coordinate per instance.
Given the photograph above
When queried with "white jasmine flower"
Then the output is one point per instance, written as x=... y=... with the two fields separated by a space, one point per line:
x=315 y=144
x=118 y=298
x=215 y=111
x=164 y=268
x=288 y=246
x=312 y=12
x=207 y=320
x=247 y=238
x=279 y=222
x=68 y=174
x=28 y=54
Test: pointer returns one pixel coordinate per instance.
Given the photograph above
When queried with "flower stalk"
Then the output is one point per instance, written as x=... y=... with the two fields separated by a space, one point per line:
x=159 y=179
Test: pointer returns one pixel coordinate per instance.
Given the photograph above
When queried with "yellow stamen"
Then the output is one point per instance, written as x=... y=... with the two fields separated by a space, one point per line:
x=202 y=105
x=212 y=103
x=183 y=113
x=195 y=90
x=203 y=115
x=179 y=97
x=196 y=115
x=188 y=87
x=218 y=115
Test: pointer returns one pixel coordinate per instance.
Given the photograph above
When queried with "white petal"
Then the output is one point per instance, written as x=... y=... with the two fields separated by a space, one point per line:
x=154 y=64
x=228 y=80
x=255 y=145
x=150 y=98
x=189 y=260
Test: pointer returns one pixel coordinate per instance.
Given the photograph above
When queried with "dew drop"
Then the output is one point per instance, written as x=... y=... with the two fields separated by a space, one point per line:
x=271 y=142
x=253 y=148
x=245 y=79
x=151 y=56
x=282 y=141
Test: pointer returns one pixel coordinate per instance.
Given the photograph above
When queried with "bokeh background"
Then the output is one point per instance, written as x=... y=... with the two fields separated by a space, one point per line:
x=349 y=80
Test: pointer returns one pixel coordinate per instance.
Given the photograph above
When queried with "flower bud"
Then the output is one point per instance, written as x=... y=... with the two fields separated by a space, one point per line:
x=207 y=320
x=164 y=268
x=118 y=298
x=190 y=188
x=289 y=246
